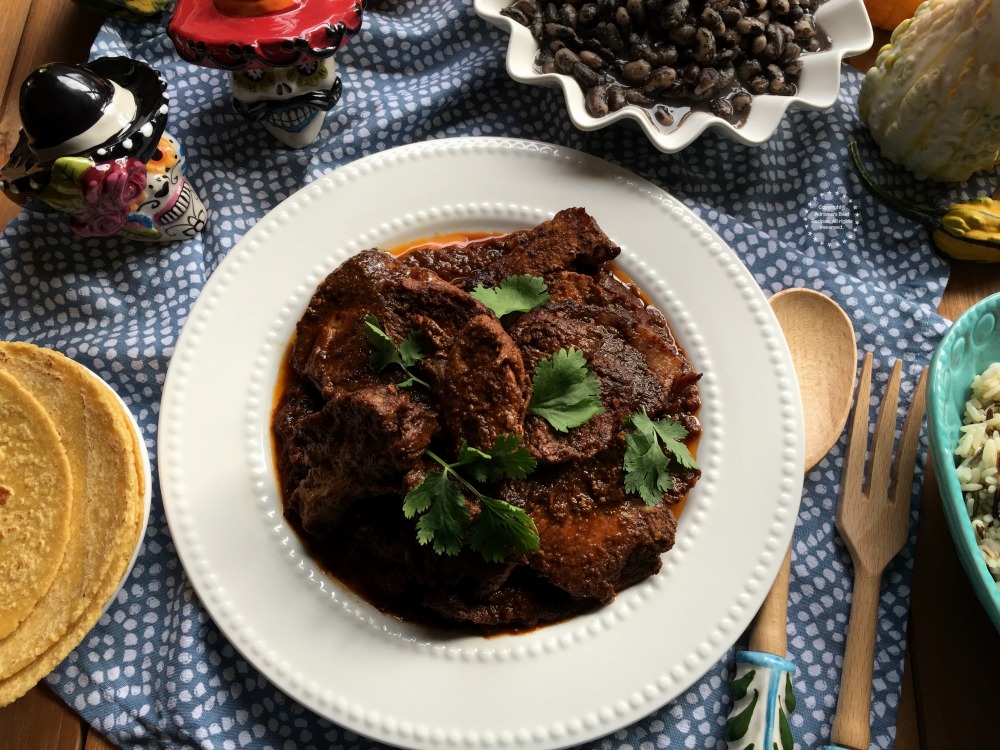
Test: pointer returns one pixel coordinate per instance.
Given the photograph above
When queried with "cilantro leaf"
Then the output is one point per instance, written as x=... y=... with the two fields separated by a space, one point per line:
x=445 y=519
x=501 y=530
x=566 y=393
x=445 y=513
x=385 y=352
x=507 y=456
x=515 y=294
x=651 y=448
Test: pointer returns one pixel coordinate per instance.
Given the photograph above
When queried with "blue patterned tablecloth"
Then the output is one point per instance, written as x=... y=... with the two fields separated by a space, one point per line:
x=156 y=672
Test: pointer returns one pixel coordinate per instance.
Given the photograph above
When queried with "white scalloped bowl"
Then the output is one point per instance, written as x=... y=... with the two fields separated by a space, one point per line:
x=845 y=22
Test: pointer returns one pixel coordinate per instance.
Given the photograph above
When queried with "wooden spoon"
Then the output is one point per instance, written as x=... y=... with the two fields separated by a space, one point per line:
x=825 y=354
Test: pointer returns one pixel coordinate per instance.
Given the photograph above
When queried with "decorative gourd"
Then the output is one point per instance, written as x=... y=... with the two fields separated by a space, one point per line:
x=932 y=100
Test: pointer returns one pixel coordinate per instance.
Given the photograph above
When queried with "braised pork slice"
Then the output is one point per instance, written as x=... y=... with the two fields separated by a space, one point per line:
x=595 y=539
x=358 y=444
x=330 y=348
x=485 y=390
x=638 y=365
x=571 y=240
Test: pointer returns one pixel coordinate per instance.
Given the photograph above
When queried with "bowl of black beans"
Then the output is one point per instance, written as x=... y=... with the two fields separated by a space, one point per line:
x=680 y=67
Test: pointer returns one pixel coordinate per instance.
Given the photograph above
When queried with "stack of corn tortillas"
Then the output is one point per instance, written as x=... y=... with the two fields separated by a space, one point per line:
x=73 y=503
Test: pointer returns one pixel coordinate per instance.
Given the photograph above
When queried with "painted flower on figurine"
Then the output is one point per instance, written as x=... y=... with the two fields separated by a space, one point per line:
x=108 y=191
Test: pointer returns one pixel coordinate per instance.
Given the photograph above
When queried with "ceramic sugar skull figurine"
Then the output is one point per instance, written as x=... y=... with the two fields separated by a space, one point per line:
x=278 y=53
x=92 y=146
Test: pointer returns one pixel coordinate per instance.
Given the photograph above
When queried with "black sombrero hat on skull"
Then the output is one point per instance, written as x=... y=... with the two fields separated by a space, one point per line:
x=104 y=110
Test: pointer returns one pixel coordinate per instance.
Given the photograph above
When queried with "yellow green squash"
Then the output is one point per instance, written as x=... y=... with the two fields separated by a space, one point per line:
x=967 y=230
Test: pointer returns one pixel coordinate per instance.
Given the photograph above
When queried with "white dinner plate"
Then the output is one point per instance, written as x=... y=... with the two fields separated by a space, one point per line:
x=413 y=687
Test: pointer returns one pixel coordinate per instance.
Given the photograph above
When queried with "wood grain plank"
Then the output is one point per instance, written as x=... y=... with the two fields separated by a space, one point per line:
x=96 y=741
x=53 y=31
x=12 y=23
x=40 y=721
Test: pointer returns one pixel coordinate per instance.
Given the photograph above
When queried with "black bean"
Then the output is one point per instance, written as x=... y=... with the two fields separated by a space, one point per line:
x=775 y=46
x=609 y=36
x=596 y=101
x=634 y=96
x=587 y=14
x=704 y=45
x=563 y=33
x=591 y=59
x=741 y=101
x=550 y=13
x=731 y=15
x=529 y=8
x=721 y=108
x=673 y=14
x=805 y=28
x=792 y=52
x=663 y=116
x=708 y=84
x=749 y=69
x=637 y=12
x=565 y=60
x=568 y=15
x=515 y=15
x=712 y=20
x=586 y=77
x=660 y=79
x=683 y=34
x=616 y=98
x=636 y=71
x=667 y=55
x=749 y=25
x=537 y=28
x=793 y=68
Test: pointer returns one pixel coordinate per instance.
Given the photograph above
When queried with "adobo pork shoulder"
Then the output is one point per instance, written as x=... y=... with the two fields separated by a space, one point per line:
x=362 y=441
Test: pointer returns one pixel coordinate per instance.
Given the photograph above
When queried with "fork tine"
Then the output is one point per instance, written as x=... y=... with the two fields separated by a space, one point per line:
x=907 y=451
x=853 y=474
x=885 y=435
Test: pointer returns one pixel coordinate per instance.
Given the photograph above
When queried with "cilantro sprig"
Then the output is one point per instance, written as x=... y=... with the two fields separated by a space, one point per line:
x=515 y=294
x=385 y=352
x=565 y=391
x=653 y=451
x=500 y=529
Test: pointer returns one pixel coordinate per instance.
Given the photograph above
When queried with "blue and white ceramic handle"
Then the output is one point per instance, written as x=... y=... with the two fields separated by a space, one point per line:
x=762 y=685
x=763 y=700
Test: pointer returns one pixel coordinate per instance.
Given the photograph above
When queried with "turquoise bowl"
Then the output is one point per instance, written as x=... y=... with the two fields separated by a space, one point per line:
x=968 y=348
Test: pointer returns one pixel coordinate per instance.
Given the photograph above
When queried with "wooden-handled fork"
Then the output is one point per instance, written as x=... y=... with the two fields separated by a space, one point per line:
x=873 y=520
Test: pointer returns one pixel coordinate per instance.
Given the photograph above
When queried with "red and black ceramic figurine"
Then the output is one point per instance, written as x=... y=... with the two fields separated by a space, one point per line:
x=279 y=55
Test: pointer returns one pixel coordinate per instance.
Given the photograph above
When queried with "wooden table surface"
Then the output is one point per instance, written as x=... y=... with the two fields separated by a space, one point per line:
x=952 y=656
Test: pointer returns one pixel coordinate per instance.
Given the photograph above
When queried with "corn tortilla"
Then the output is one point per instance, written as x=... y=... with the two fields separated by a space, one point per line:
x=107 y=491
x=103 y=448
x=35 y=503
